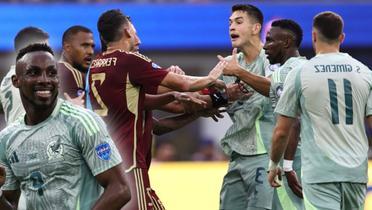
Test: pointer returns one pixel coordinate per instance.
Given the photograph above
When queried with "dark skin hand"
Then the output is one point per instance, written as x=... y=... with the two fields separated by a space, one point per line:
x=9 y=200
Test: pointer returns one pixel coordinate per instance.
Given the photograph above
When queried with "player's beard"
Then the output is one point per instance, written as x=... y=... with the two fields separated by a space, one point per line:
x=80 y=67
x=38 y=104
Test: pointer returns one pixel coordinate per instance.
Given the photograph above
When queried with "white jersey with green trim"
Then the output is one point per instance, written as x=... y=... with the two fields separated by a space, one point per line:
x=279 y=75
x=10 y=98
x=331 y=92
x=54 y=162
x=253 y=121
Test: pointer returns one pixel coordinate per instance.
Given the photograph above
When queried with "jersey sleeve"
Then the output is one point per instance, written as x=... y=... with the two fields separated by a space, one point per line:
x=97 y=147
x=369 y=104
x=71 y=81
x=142 y=71
x=289 y=101
x=11 y=183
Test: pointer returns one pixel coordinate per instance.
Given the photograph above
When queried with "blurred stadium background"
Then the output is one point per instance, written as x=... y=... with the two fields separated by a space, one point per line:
x=188 y=33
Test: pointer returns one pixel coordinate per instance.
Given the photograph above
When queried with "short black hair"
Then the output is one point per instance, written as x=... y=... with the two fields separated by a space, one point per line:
x=29 y=35
x=252 y=11
x=73 y=30
x=34 y=48
x=329 y=24
x=110 y=24
x=291 y=26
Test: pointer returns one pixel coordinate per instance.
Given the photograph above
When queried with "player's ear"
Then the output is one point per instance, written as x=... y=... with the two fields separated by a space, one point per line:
x=341 y=38
x=288 y=42
x=127 y=32
x=66 y=46
x=15 y=81
x=256 y=28
x=314 y=36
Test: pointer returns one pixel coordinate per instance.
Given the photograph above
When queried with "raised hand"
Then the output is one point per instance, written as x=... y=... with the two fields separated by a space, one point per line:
x=176 y=70
x=293 y=183
x=214 y=113
x=77 y=101
x=216 y=72
x=233 y=66
x=189 y=102
x=234 y=92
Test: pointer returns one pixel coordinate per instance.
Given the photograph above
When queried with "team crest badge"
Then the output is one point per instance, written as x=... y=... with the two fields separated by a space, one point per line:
x=55 y=149
x=103 y=151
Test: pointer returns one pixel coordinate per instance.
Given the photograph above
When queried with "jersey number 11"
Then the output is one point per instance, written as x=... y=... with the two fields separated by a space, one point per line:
x=334 y=102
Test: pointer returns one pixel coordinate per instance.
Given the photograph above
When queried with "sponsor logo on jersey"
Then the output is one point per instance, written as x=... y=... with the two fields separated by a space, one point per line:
x=79 y=92
x=55 y=149
x=103 y=151
x=13 y=158
x=155 y=66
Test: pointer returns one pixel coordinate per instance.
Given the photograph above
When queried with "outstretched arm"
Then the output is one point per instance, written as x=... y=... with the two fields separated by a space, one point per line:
x=158 y=101
x=259 y=83
x=168 y=124
x=189 y=83
x=116 y=193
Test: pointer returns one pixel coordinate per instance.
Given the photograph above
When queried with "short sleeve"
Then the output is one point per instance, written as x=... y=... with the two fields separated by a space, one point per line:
x=144 y=72
x=97 y=147
x=11 y=182
x=288 y=104
x=369 y=104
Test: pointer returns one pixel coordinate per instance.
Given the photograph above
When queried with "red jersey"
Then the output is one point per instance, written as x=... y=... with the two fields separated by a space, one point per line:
x=118 y=81
x=71 y=80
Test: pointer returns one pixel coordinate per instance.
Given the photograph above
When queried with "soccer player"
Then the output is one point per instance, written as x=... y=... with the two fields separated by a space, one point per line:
x=247 y=140
x=332 y=92
x=9 y=95
x=119 y=78
x=77 y=54
x=282 y=43
x=58 y=154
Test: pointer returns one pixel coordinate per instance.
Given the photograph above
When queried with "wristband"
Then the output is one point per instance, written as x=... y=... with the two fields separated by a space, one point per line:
x=219 y=99
x=272 y=166
x=287 y=165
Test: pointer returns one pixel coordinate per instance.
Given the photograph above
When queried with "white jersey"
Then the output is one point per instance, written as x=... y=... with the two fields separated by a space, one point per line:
x=331 y=92
x=10 y=98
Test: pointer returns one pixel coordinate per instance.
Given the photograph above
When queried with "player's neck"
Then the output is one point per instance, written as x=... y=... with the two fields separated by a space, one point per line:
x=291 y=53
x=324 y=48
x=65 y=58
x=36 y=115
x=119 y=45
x=252 y=50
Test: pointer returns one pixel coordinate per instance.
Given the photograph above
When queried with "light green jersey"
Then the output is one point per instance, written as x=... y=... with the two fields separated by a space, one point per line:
x=55 y=161
x=10 y=98
x=279 y=75
x=253 y=121
x=331 y=92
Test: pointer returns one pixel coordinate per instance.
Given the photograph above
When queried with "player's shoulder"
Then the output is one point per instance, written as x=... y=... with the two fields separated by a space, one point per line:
x=63 y=65
x=140 y=56
x=79 y=117
x=9 y=131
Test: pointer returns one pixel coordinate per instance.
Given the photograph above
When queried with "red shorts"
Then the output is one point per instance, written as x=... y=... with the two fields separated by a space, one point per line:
x=142 y=196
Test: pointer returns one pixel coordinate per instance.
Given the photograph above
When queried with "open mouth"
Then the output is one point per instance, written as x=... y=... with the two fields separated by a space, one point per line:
x=234 y=36
x=88 y=60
